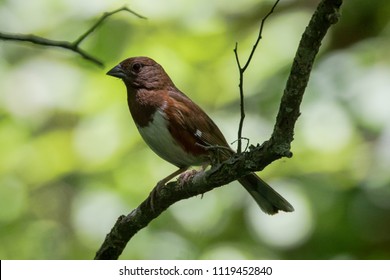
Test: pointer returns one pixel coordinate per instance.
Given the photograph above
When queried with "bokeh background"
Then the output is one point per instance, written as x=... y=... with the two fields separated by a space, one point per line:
x=71 y=160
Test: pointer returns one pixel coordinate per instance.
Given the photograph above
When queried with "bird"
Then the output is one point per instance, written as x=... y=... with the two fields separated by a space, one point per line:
x=178 y=130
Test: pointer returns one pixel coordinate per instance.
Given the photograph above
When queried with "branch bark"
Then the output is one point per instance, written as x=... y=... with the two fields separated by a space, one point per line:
x=72 y=46
x=256 y=159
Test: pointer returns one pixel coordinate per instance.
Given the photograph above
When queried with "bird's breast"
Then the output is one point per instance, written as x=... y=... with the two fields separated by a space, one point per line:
x=159 y=138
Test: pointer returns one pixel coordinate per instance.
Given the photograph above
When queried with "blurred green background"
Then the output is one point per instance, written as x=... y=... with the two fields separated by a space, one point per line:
x=71 y=160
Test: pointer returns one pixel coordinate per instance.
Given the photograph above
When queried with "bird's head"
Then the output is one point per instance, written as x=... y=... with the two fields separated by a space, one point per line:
x=141 y=72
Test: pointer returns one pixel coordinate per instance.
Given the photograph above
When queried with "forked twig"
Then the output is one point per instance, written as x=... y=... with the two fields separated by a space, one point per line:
x=242 y=70
x=72 y=46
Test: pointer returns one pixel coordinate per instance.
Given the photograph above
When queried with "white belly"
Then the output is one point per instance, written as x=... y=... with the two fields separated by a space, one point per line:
x=159 y=139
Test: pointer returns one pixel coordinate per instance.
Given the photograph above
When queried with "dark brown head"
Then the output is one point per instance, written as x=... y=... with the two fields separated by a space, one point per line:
x=141 y=72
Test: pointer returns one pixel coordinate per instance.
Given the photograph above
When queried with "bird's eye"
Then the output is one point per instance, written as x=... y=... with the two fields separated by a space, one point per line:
x=136 y=67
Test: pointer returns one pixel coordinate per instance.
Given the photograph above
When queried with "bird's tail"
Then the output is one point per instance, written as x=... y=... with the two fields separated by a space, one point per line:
x=266 y=197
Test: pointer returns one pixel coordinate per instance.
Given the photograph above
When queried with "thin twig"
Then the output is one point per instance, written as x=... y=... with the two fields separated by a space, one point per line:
x=51 y=43
x=214 y=147
x=72 y=46
x=247 y=142
x=100 y=21
x=242 y=70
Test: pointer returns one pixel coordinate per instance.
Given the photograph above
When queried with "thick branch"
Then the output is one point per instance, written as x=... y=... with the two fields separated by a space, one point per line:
x=72 y=46
x=256 y=159
x=327 y=13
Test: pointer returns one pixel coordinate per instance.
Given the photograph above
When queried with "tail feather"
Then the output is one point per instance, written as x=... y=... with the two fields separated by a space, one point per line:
x=265 y=196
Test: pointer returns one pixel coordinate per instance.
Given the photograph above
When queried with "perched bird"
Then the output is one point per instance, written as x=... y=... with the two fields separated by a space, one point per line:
x=178 y=130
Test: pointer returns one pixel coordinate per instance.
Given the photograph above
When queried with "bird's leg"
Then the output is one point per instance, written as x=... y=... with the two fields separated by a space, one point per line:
x=185 y=176
x=170 y=177
x=162 y=183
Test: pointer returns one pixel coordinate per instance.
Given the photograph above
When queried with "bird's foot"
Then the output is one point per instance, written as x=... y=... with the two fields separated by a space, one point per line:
x=185 y=176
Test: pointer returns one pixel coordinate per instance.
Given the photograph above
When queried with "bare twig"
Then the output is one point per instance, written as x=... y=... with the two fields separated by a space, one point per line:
x=72 y=46
x=242 y=70
x=256 y=159
x=246 y=140
x=103 y=18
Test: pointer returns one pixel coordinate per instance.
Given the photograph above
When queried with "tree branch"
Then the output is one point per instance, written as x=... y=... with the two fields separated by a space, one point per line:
x=72 y=46
x=256 y=159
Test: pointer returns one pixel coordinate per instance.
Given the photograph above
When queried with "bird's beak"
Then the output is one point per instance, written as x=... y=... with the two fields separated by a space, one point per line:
x=117 y=71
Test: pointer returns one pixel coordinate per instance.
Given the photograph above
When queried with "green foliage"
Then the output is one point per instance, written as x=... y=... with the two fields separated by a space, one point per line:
x=71 y=160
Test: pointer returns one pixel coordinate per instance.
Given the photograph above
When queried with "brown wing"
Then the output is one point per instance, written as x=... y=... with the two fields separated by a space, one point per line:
x=193 y=128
